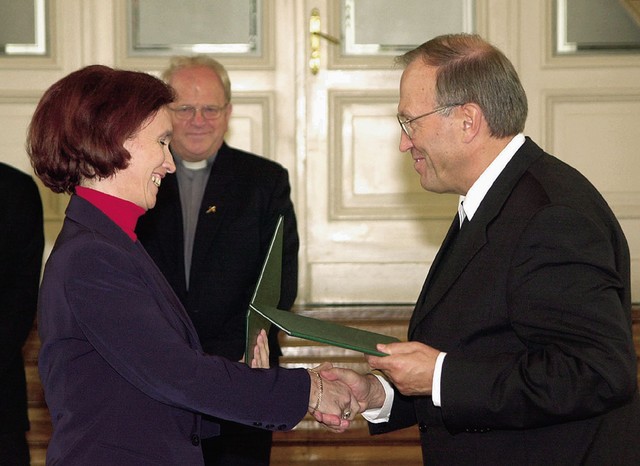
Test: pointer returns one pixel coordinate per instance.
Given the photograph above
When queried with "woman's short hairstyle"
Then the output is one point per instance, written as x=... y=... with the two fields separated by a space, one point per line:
x=182 y=62
x=469 y=69
x=82 y=122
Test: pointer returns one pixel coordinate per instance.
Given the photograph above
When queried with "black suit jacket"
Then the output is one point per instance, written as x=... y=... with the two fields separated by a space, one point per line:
x=249 y=193
x=21 y=247
x=532 y=307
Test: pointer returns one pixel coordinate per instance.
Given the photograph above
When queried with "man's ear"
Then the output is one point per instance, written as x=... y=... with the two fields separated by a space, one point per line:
x=471 y=120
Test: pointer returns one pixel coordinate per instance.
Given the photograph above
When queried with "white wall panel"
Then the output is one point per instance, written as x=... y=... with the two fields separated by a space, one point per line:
x=15 y=114
x=371 y=178
x=596 y=133
x=250 y=125
x=385 y=282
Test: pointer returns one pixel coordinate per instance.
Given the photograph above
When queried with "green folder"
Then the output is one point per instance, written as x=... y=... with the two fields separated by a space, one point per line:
x=263 y=313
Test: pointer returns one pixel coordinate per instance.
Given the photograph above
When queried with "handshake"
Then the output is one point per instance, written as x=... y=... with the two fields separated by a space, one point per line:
x=338 y=394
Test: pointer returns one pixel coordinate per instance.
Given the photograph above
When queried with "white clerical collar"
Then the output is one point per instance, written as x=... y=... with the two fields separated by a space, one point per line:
x=199 y=165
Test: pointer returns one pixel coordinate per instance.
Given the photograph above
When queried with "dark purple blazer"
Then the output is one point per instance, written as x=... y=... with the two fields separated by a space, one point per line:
x=533 y=308
x=125 y=378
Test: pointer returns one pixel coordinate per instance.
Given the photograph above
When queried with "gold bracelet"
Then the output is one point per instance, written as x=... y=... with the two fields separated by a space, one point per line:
x=321 y=389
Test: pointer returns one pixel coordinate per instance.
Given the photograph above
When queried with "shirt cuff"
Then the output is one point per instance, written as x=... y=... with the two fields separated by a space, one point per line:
x=437 y=376
x=378 y=415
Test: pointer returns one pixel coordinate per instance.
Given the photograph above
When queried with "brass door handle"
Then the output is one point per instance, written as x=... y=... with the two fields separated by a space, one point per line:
x=314 y=37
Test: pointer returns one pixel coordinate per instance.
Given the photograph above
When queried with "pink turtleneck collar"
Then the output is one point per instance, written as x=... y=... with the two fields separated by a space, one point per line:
x=124 y=213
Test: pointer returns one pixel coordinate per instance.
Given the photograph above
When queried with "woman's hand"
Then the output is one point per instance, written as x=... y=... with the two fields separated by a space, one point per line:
x=261 y=352
x=331 y=402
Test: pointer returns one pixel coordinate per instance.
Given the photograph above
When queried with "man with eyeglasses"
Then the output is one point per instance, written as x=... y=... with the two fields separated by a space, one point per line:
x=521 y=349
x=210 y=230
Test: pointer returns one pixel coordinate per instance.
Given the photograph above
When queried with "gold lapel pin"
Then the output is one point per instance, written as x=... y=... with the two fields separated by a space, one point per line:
x=211 y=209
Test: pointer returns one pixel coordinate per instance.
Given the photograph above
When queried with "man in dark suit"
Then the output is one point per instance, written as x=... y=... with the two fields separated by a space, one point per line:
x=211 y=228
x=21 y=247
x=521 y=349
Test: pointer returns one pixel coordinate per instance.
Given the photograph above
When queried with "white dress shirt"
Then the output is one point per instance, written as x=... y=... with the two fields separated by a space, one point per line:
x=467 y=206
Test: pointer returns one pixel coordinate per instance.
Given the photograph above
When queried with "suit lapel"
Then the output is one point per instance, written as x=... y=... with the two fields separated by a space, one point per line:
x=446 y=246
x=168 y=215
x=457 y=250
x=451 y=262
x=214 y=207
x=85 y=213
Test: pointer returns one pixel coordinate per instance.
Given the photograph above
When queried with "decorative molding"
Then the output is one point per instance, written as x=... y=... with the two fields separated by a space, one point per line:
x=387 y=282
x=625 y=204
x=345 y=200
x=257 y=108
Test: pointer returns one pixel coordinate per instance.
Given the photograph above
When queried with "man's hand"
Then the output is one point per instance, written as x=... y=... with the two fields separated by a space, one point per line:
x=409 y=366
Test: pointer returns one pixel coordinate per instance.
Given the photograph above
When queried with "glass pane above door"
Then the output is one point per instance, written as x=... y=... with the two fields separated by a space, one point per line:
x=391 y=27
x=596 y=26
x=221 y=27
x=23 y=27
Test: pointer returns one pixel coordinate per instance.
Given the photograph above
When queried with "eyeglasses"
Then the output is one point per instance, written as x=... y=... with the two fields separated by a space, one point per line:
x=208 y=112
x=405 y=124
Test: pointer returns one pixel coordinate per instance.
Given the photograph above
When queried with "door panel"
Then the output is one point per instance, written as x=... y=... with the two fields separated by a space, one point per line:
x=371 y=229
